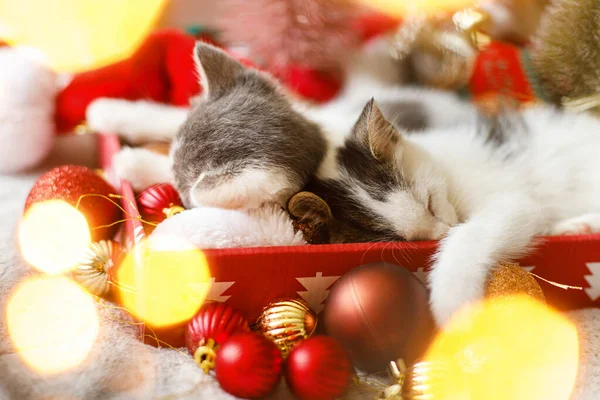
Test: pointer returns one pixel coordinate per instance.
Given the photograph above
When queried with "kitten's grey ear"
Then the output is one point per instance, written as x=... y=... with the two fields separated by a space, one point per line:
x=217 y=69
x=309 y=208
x=376 y=132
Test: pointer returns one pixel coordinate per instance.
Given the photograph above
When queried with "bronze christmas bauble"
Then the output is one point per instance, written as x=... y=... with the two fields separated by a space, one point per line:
x=380 y=313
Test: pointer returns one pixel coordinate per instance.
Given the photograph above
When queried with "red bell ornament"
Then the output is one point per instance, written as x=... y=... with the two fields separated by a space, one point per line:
x=209 y=328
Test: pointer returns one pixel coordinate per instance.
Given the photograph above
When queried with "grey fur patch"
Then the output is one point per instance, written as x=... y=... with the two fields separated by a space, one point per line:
x=244 y=122
x=502 y=129
x=406 y=115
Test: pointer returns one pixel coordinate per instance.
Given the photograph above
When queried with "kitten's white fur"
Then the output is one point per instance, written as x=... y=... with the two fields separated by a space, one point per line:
x=246 y=190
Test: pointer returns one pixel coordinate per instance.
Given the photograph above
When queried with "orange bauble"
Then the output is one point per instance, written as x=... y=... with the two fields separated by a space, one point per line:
x=69 y=183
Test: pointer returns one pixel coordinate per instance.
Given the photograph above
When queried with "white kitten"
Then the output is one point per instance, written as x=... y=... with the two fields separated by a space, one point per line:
x=487 y=188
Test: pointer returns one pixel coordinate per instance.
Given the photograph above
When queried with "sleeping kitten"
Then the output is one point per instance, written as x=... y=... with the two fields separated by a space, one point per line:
x=242 y=144
x=487 y=190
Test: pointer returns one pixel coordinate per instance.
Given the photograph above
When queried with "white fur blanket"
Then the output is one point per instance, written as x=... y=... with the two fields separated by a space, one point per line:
x=120 y=367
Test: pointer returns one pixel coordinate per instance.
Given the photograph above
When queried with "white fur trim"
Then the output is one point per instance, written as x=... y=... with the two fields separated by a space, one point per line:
x=27 y=93
x=207 y=227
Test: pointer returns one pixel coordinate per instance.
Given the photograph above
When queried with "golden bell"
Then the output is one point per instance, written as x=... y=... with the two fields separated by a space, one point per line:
x=287 y=322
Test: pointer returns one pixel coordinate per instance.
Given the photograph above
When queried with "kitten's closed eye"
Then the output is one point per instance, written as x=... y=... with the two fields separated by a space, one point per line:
x=430 y=205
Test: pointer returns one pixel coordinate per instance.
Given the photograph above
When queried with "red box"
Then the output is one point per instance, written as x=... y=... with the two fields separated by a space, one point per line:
x=250 y=278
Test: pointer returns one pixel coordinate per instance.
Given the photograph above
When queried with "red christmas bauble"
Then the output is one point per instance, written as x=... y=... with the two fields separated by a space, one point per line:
x=380 y=313
x=69 y=183
x=248 y=365
x=210 y=327
x=318 y=369
x=159 y=202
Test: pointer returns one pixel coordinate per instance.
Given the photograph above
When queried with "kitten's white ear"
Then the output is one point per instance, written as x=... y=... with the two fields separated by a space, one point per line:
x=376 y=132
x=217 y=70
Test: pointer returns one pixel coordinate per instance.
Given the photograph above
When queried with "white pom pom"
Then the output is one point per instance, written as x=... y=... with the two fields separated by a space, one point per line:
x=216 y=228
x=27 y=94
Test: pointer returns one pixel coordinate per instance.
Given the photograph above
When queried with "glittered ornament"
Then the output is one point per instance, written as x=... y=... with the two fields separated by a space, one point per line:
x=210 y=327
x=70 y=183
x=94 y=270
x=159 y=202
x=248 y=365
x=510 y=279
x=318 y=369
x=287 y=322
x=379 y=312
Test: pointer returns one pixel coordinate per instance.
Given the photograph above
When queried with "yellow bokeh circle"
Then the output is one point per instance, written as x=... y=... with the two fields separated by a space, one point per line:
x=508 y=348
x=52 y=323
x=77 y=35
x=163 y=287
x=405 y=8
x=53 y=236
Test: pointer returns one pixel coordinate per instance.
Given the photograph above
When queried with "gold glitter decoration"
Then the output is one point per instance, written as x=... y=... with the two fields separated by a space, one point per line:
x=510 y=279
x=93 y=271
x=287 y=322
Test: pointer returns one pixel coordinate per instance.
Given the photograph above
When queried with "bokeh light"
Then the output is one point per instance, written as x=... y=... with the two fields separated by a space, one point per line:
x=53 y=236
x=164 y=286
x=76 y=35
x=52 y=323
x=404 y=8
x=506 y=348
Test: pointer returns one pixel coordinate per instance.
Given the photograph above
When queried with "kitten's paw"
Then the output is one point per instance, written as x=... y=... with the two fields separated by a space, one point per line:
x=583 y=225
x=142 y=168
x=115 y=116
x=452 y=288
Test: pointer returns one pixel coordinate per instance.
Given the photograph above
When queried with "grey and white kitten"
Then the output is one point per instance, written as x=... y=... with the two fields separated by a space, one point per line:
x=486 y=190
x=242 y=144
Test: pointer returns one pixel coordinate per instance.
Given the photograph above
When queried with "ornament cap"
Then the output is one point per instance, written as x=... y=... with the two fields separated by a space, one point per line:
x=172 y=210
x=205 y=356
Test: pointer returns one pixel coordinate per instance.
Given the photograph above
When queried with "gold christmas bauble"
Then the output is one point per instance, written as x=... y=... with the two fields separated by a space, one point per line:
x=423 y=379
x=287 y=322
x=92 y=272
x=510 y=279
